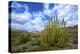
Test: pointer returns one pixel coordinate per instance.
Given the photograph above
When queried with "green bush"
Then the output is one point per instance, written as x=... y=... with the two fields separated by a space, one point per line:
x=23 y=38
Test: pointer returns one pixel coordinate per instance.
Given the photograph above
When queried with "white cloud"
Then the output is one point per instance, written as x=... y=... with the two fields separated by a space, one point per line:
x=21 y=18
x=37 y=23
x=15 y=5
x=26 y=15
x=68 y=12
x=69 y=16
x=46 y=6
x=32 y=25
x=72 y=23
x=17 y=26
x=36 y=20
x=37 y=14
x=46 y=10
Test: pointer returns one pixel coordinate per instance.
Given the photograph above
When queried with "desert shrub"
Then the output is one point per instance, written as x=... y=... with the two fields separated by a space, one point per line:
x=23 y=38
x=34 y=41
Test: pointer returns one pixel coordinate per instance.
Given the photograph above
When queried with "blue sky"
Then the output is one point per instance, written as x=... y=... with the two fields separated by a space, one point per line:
x=34 y=16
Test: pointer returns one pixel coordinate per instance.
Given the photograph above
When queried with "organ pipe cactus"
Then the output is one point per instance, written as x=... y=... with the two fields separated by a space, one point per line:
x=53 y=35
x=63 y=37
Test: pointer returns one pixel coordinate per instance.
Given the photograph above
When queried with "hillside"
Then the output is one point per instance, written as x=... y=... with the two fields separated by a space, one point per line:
x=29 y=41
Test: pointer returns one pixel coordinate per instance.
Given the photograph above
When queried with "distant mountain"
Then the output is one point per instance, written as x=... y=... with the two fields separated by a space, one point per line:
x=72 y=30
x=72 y=27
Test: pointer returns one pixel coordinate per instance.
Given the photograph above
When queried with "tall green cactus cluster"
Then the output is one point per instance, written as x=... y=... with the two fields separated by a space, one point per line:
x=53 y=35
x=62 y=35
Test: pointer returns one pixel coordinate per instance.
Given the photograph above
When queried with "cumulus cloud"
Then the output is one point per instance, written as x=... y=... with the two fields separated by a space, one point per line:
x=15 y=5
x=23 y=20
x=46 y=9
x=46 y=6
x=19 y=19
x=20 y=16
x=68 y=12
x=38 y=23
